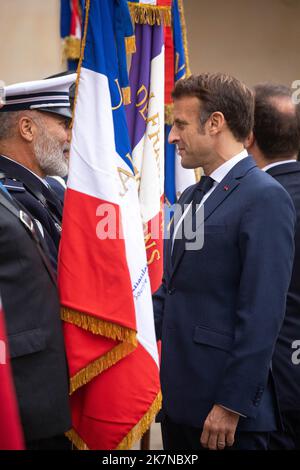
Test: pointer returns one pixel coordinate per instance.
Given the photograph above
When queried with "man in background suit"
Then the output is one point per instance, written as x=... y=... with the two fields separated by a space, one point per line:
x=275 y=144
x=220 y=308
x=34 y=143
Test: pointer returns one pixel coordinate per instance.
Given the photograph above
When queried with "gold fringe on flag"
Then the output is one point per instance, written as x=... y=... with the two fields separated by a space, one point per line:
x=126 y=93
x=76 y=440
x=184 y=36
x=132 y=437
x=130 y=45
x=98 y=326
x=142 y=426
x=150 y=14
x=169 y=114
x=96 y=367
x=71 y=48
x=109 y=330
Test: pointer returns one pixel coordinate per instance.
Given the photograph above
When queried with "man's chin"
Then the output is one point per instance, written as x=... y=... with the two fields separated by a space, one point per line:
x=64 y=171
x=187 y=165
x=61 y=171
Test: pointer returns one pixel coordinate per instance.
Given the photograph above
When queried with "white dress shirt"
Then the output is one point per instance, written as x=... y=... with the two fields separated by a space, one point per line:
x=282 y=162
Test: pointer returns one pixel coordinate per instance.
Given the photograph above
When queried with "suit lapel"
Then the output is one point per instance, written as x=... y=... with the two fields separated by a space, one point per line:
x=224 y=189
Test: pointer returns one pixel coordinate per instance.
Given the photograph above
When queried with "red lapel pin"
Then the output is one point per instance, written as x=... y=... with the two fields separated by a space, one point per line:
x=226 y=188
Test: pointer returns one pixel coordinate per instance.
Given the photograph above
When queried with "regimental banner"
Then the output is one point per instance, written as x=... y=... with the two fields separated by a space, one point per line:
x=145 y=117
x=103 y=274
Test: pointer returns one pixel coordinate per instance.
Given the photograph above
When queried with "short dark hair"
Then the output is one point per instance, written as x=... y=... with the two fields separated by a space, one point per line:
x=223 y=93
x=276 y=130
x=8 y=124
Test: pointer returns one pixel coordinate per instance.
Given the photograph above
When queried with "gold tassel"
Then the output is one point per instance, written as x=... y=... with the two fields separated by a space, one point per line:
x=130 y=45
x=184 y=35
x=142 y=426
x=76 y=440
x=71 y=46
x=126 y=93
x=150 y=14
x=98 y=326
x=169 y=114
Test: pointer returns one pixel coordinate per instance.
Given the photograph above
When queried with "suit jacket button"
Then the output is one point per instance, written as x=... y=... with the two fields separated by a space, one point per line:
x=171 y=291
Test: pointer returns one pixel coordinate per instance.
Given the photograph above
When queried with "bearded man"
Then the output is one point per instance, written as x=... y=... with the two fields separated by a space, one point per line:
x=34 y=143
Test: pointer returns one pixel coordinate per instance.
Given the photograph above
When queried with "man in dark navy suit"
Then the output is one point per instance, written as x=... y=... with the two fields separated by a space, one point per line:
x=275 y=144
x=220 y=308
x=34 y=143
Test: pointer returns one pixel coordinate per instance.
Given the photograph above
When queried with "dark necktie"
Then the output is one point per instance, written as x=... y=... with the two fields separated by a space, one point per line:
x=204 y=185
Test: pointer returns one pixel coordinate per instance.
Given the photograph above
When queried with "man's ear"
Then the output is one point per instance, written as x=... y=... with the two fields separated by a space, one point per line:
x=249 y=141
x=216 y=122
x=27 y=128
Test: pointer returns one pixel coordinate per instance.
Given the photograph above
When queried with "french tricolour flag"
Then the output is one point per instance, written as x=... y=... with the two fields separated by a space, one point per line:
x=103 y=276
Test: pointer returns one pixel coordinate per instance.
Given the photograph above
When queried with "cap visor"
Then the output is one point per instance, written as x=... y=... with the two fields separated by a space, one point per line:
x=66 y=112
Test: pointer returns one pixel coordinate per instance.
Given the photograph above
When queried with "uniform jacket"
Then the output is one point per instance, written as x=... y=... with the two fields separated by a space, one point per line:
x=40 y=201
x=219 y=309
x=32 y=314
